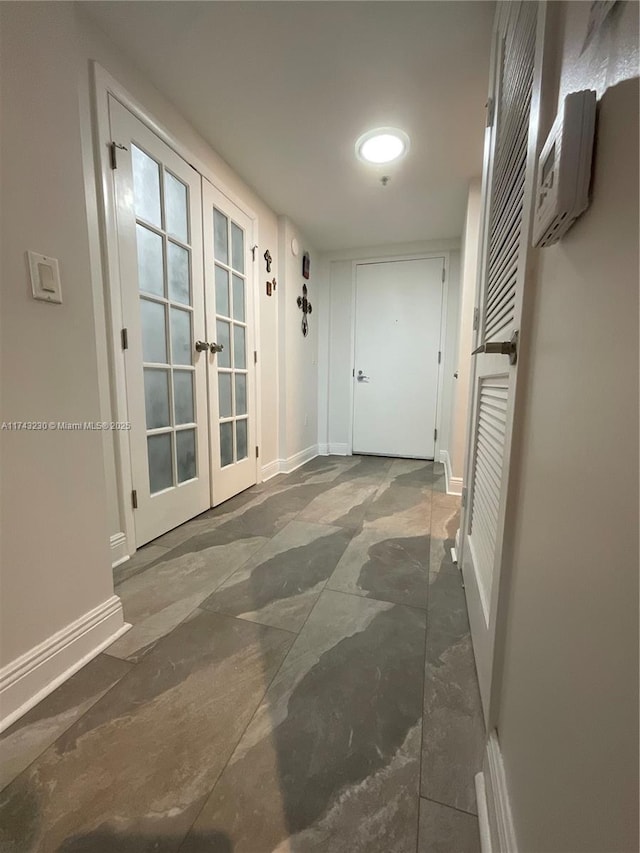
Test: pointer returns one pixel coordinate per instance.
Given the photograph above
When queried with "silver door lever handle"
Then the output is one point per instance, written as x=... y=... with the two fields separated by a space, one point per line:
x=509 y=348
x=202 y=346
x=216 y=348
x=361 y=377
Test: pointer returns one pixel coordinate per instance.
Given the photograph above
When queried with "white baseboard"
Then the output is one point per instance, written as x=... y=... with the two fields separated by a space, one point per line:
x=339 y=449
x=497 y=833
x=270 y=469
x=287 y=466
x=119 y=550
x=454 y=484
x=483 y=815
x=298 y=459
x=323 y=449
x=27 y=680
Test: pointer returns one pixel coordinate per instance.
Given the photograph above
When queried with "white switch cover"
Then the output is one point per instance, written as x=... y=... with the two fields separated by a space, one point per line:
x=45 y=277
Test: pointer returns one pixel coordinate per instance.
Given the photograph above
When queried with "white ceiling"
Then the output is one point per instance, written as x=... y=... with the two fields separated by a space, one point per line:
x=282 y=90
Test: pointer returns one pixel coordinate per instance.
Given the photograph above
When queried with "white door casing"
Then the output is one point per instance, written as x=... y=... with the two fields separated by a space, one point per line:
x=398 y=323
x=509 y=163
x=230 y=309
x=158 y=210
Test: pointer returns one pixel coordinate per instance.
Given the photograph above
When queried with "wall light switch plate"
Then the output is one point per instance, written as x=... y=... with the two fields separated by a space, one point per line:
x=45 y=278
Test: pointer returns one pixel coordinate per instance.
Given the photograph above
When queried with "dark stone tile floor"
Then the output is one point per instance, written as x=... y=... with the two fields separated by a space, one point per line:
x=299 y=677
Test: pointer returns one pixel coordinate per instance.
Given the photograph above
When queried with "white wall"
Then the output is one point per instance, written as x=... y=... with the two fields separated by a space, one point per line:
x=568 y=715
x=468 y=283
x=55 y=563
x=335 y=368
x=299 y=354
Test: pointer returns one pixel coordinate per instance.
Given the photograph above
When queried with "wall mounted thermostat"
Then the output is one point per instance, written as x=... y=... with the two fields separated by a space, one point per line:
x=45 y=277
x=564 y=169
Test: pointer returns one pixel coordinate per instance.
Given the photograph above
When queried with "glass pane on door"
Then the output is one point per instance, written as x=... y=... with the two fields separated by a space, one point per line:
x=231 y=334
x=166 y=314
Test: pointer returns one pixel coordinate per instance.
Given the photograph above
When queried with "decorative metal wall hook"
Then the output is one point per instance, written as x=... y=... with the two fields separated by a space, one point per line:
x=268 y=259
x=305 y=306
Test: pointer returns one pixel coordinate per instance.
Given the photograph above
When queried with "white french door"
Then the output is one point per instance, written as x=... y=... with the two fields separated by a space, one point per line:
x=506 y=192
x=230 y=324
x=398 y=321
x=159 y=221
x=188 y=318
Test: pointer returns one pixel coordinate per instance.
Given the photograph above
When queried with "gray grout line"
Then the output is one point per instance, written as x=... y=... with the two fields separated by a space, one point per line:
x=449 y=806
x=373 y=598
x=258 y=706
x=424 y=666
x=237 y=743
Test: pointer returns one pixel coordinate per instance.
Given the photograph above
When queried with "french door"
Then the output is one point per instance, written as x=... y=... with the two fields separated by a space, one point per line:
x=230 y=320
x=505 y=235
x=181 y=455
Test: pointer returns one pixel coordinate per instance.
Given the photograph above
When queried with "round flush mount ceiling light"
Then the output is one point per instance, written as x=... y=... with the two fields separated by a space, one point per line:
x=382 y=145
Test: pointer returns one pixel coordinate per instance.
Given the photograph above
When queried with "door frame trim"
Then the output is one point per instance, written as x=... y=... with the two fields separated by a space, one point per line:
x=105 y=274
x=420 y=256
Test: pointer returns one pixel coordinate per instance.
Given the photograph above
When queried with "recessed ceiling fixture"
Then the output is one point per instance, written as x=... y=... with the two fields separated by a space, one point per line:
x=382 y=145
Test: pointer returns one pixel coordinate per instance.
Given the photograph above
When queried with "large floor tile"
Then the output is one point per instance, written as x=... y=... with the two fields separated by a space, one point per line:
x=26 y=739
x=167 y=592
x=379 y=564
x=322 y=469
x=404 y=509
x=453 y=738
x=416 y=472
x=447 y=607
x=257 y=511
x=133 y=772
x=331 y=759
x=445 y=516
x=138 y=563
x=342 y=504
x=280 y=585
x=445 y=830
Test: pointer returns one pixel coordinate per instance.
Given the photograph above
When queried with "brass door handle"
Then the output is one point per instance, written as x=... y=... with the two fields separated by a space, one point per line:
x=509 y=348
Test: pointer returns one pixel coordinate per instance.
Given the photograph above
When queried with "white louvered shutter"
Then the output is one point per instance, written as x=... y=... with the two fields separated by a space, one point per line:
x=507 y=183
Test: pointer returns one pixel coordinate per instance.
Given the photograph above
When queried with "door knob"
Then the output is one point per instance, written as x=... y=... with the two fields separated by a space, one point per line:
x=361 y=377
x=509 y=348
x=202 y=346
x=216 y=348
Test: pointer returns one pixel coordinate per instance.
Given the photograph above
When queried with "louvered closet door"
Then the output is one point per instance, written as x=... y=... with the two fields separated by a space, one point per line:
x=505 y=235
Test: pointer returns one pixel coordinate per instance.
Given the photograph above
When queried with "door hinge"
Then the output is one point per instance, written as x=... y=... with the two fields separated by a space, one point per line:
x=476 y=319
x=113 y=153
x=443 y=274
x=125 y=339
x=255 y=356
x=490 y=112
x=134 y=499
x=435 y=435
x=257 y=451
x=439 y=356
x=463 y=499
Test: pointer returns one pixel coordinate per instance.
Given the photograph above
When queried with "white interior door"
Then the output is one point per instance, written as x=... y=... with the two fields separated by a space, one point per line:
x=507 y=181
x=159 y=222
x=230 y=328
x=398 y=320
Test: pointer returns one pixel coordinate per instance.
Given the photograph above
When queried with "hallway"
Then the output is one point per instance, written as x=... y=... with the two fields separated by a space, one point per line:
x=272 y=693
